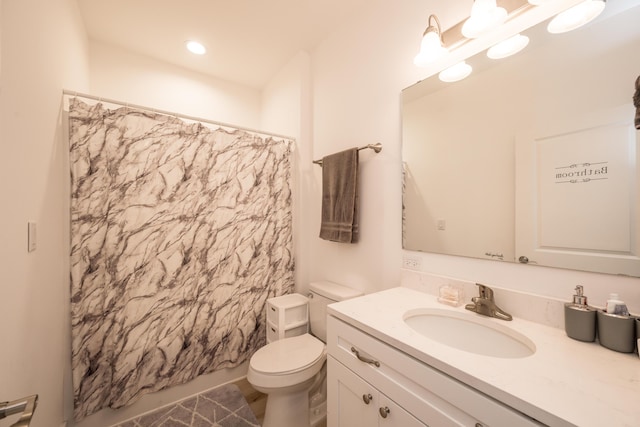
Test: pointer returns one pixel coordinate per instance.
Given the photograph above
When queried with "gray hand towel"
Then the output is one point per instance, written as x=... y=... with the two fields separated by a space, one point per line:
x=340 y=197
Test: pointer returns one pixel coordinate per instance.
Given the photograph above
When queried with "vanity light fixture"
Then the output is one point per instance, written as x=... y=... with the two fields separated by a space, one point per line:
x=455 y=73
x=486 y=23
x=195 y=47
x=575 y=17
x=485 y=16
x=431 y=47
x=508 y=47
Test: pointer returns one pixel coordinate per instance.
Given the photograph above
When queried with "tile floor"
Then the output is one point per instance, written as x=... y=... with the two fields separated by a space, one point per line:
x=224 y=406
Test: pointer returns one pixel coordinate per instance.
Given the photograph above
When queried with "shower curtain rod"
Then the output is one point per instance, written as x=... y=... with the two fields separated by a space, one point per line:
x=170 y=113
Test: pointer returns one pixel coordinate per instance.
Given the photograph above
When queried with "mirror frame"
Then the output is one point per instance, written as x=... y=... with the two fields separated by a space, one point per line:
x=415 y=91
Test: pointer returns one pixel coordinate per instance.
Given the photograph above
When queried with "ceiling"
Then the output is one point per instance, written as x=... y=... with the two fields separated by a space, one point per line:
x=247 y=41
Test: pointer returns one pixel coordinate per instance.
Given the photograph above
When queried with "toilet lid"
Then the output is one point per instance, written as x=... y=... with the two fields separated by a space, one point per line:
x=288 y=355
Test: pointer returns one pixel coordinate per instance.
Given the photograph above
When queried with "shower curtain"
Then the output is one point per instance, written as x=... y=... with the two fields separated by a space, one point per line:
x=179 y=234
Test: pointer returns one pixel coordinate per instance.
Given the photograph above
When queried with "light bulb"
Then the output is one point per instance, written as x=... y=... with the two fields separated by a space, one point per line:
x=195 y=47
x=508 y=47
x=485 y=16
x=431 y=50
x=576 y=16
x=456 y=72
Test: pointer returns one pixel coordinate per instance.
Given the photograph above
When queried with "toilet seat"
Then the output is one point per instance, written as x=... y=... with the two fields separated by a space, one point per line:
x=288 y=355
x=287 y=362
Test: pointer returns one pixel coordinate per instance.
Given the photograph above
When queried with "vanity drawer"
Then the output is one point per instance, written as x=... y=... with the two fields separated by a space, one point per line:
x=431 y=396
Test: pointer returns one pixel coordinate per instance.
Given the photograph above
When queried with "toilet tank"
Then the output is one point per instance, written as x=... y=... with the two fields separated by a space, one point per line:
x=322 y=294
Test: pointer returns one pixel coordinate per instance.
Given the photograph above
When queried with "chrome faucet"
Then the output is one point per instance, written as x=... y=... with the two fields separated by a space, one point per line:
x=484 y=304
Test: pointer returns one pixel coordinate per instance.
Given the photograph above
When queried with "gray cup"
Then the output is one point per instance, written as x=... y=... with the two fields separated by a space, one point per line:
x=617 y=332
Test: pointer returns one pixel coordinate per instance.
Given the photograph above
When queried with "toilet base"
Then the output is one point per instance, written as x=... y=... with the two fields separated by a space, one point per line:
x=317 y=413
x=287 y=409
x=318 y=400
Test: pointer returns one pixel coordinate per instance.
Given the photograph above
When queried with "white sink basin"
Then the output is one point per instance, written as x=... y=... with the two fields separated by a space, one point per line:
x=469 y=332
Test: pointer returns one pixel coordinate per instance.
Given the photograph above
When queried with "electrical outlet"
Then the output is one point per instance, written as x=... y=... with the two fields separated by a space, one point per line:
x=411 y=263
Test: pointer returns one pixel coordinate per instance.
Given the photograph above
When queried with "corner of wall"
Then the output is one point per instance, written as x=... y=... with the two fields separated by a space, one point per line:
x=286 y=109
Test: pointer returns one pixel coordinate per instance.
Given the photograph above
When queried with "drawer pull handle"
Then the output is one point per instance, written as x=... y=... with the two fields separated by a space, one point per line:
x=367 y=398
x=384 y=412
x=365 y=359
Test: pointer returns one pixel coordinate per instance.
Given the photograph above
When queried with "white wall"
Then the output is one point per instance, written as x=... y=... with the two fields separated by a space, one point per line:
x=128 y=77
x=44 y=49
x=358 y=74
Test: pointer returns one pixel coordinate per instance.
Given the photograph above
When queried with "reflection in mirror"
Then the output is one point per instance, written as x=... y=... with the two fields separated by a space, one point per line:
x=459 y=151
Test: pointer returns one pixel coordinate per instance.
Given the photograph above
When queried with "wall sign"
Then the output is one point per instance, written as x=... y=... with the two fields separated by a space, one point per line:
x=581 y=172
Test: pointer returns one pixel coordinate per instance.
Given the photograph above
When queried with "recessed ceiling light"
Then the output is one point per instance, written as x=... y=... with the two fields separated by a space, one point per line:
x=195 y=47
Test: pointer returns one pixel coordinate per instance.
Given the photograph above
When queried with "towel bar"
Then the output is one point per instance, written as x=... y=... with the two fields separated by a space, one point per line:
x=26 y=405
x=375 y=147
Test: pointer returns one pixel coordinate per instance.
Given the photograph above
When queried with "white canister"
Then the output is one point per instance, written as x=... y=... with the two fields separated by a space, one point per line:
x=616 y=306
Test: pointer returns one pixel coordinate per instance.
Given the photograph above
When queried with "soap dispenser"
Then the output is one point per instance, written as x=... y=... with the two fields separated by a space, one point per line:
x=579 y=318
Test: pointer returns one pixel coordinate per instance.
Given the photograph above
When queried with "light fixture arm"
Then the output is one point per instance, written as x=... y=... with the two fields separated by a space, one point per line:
x=431 y=47
x=435 y=29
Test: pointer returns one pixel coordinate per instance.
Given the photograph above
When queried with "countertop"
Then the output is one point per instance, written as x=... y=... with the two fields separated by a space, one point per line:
x=564 y=383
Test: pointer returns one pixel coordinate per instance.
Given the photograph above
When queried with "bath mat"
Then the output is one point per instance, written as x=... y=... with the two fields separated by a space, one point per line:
x=224 y=406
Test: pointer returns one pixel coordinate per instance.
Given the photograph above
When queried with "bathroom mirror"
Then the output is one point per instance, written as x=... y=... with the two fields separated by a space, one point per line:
x=482 y=157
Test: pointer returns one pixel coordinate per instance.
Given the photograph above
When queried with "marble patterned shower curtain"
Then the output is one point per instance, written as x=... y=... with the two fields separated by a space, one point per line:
x=179 y=233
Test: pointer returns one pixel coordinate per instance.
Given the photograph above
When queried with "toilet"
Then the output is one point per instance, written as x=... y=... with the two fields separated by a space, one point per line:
x=287 y=369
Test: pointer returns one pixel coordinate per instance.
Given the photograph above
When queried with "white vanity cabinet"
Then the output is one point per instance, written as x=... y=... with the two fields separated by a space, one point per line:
x=356 y=403
x=400 y=390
